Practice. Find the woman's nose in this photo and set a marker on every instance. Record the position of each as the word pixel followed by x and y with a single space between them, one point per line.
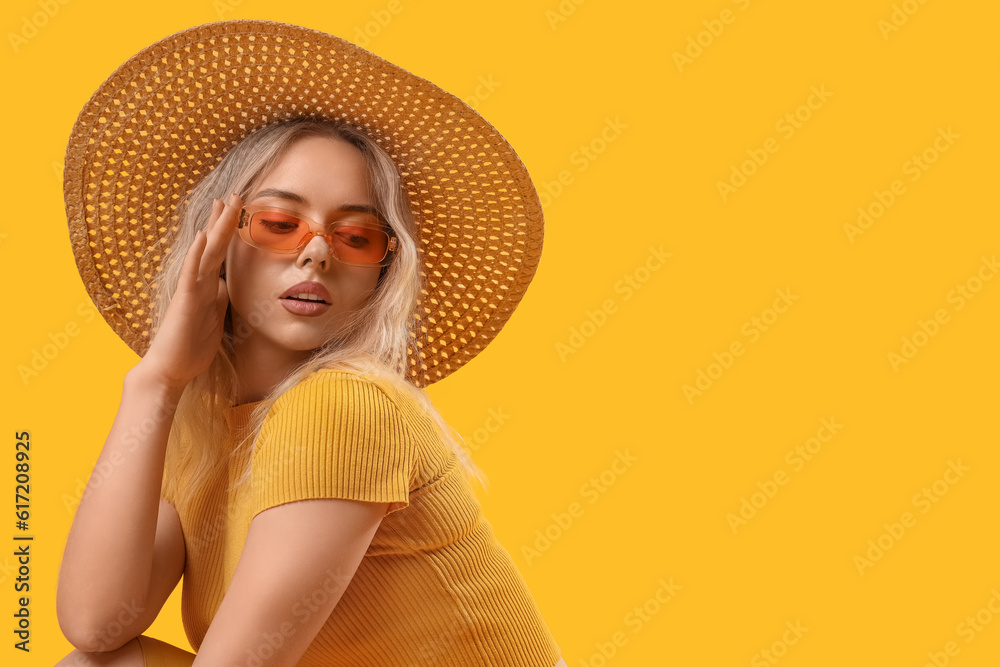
pixel 317 249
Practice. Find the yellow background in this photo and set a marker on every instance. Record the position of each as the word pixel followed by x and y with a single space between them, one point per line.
pixel 568 415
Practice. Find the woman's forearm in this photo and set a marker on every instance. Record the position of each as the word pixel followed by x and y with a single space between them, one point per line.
pixel 109 552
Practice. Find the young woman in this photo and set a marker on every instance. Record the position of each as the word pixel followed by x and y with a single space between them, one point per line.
pixel 273 444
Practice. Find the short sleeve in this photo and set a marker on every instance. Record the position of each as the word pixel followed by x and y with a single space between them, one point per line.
pixel 333 436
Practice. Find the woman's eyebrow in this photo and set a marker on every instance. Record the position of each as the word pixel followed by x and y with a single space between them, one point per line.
pixel 299 199
pixel 358 208
pixel 281 194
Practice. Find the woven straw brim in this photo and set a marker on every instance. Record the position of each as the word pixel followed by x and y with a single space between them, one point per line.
pixel 167 116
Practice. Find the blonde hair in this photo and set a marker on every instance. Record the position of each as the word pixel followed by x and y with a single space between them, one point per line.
pixel 375 338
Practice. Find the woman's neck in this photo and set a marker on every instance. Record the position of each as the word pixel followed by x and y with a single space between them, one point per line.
pixel 260 368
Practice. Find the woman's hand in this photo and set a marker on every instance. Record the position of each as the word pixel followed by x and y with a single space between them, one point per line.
pixel 192 327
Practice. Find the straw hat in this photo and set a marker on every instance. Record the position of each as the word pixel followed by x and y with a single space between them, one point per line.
pixel 166 117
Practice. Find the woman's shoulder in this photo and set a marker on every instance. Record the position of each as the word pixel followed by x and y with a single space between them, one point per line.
pixel 338 379
pixel 348 391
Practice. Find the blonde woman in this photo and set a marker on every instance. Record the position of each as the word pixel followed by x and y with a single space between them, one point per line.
pixel 274 445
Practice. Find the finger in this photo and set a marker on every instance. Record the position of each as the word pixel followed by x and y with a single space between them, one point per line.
pixel 222 231
pixel 192 262
pixel 217 206
pixel 220 235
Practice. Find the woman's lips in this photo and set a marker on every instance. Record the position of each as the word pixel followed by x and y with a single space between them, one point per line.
pixel 309 287
pixel 307 308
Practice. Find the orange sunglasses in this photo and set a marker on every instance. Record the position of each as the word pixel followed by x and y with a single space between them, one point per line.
pixel 359 239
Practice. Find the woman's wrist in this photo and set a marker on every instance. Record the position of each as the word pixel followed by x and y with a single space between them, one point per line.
pixel 143 378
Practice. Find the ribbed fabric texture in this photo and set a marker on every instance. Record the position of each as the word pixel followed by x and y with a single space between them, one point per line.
pixel 434 588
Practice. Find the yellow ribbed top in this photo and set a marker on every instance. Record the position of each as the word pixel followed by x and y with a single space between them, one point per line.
pixel 434 588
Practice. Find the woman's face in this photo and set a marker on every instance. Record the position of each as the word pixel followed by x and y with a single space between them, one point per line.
pixel 317 177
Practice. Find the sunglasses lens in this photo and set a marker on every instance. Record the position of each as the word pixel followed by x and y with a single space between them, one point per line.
pixel 271 229
pixel 360 245
pixel 353 244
